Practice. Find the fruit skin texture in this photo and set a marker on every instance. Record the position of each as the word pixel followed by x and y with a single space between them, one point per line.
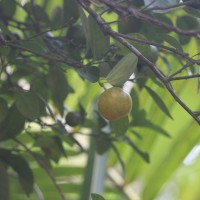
pixel 114 103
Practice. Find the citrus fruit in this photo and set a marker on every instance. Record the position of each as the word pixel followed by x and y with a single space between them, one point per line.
pixel 114 103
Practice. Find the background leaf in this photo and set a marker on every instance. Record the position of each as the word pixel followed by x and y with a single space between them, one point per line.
pixel 90 73
pixel 3 109
pixel 58 85
pixel 120 126
pixel 143 155
pixel 99 42
pixel 4 186
pixel 158 101
pixel 70 11
pixel 20 165
pixel 27 103
pixel 12 125
pixel 103 143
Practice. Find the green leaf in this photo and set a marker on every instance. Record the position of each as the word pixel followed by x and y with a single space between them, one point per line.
pixel 58 86
pixel 143 48
pixel 96 196
pixel 42 158
pixel 82 113
pixel 99 42
pixel 142 154
pixel 129 25
pixel 103 143
pixel 4 186
pixel 154 32
pixel 70 11
pixel 40 13
pixel 7 8
pixel 51 146
pixel 117 153
pixel 84 21
pixel 39 87
pixel 186 22
pixel 77 36
pixel 20 165
pixel 123 70
pixel 120 126
pixel 3 109
pixel 172 41
pixel 12 125
pixel 36 45
pixel 7 32
pixel 59 144
pixel 27 103
pixel 104 68
pixel 135 96
pixel 90 73
pixel 140 120
pixel 56 17
pixel 193 11
pixel 158 101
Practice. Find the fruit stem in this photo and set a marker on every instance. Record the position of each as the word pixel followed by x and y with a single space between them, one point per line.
pixel 102 85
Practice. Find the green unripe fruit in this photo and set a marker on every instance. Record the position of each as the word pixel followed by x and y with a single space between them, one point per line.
pixel 73 119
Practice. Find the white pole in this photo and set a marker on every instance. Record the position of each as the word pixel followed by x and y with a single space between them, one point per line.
pixel 99 173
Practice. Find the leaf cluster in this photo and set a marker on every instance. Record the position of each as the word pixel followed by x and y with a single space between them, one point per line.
pixel 57 56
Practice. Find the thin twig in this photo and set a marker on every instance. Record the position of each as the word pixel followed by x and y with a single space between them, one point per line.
pixel 64 60
pixel 106 29
pixel 180 70
pixel 123 10
pixel 174 50
pixel 169 7
pixel 184 77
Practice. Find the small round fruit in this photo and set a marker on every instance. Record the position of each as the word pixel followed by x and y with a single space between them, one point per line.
pixel 73 119
pixel 114 103
pixel 153 54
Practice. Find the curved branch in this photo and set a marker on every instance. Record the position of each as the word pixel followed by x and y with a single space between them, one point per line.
pixel 106 29
pixel 184 77
pixel 178 5
pixel 174 50
pixel 124 10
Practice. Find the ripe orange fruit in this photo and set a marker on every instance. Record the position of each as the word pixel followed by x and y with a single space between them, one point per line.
pixel 114 103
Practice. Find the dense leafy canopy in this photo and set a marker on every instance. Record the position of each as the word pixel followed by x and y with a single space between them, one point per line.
pixel 56 57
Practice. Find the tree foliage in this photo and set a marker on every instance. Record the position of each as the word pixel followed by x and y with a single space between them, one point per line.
pixel 55 59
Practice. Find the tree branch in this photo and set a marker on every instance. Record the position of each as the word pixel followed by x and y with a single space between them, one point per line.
pixel 124 10
pixel 184 77
pixel 54 58
pixel 169 7
pixel 174 50
pixel 106 29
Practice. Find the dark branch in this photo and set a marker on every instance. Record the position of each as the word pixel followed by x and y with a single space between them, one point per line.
pixel 106 29
pixel 123 10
